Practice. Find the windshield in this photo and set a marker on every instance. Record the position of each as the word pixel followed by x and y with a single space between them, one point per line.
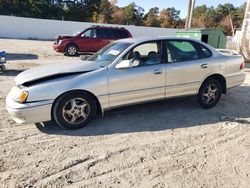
pixel 108 54
pixel 75 33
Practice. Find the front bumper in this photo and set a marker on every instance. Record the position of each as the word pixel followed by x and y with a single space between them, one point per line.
pixel 2 61
pixel 58 48
pixel 31 112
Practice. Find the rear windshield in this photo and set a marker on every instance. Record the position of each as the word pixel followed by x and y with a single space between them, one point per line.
pixel 121 34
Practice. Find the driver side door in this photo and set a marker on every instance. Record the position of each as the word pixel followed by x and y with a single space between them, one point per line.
pixel 87 41
pixel 143 82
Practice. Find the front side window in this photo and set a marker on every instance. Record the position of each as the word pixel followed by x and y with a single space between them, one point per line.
pixel 91 33
pixel 178 51
pixel 145 54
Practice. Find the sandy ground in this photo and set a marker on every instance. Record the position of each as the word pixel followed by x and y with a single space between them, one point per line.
pixel 172 143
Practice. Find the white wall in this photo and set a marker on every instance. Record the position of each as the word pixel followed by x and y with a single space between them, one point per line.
pixel 28 28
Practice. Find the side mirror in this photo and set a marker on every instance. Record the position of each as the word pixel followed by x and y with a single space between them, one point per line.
pixel 84 36
pixel 124 64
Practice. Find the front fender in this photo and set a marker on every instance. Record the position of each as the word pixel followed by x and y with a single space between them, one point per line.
pixel 94 82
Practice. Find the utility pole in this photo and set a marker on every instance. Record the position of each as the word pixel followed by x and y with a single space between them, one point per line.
pixel 245 42
pixel 189 18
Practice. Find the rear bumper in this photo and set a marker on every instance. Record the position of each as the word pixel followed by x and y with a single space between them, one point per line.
pixel 32 112
pixel 235 80
pixel 58 48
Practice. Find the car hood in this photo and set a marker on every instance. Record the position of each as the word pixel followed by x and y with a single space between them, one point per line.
pixel 2 53
pixel 53 70
pixel 63 37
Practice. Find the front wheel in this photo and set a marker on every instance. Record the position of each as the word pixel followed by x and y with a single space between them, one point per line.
pixel 74 110
pixel 210 93
pixel 3 68
pixel 71 50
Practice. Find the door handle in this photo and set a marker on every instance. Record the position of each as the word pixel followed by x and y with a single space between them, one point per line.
pixel 157 71
pixel 204 66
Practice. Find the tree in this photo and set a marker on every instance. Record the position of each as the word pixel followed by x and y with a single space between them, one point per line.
pixel 199 16
pixel 118 16
pixel 133 14
pixel 212 19
pixel 106 11
pixel 170 17
pixel 81 10
pixel 238 15
pixel 151 19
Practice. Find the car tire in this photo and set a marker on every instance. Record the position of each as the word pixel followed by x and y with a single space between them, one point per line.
pixel 74 110
pixel 210 93
pixel 3 68
pixel 71 50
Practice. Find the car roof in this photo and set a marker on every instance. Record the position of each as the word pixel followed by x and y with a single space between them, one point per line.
pixel 148 39
pixel 107 27
pixel 145 39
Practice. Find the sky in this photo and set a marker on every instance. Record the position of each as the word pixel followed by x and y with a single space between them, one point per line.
pixel 178 4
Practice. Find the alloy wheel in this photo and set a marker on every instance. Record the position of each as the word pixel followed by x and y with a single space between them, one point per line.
pixel 210 94
pixel 76 110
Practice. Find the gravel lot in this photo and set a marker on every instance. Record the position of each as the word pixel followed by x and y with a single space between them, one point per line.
pixel 173 143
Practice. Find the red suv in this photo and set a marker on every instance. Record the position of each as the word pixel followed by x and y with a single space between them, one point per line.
pixel 90 40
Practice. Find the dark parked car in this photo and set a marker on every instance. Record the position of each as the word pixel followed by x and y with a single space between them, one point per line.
pixel 90 40
pixel 2 60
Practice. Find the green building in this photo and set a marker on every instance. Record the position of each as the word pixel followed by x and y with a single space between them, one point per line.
pixel 213 37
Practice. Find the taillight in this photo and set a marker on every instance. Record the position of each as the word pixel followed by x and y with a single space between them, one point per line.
pixel 242 66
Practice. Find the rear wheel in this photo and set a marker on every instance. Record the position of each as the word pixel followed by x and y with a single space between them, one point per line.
pixel 71 50
pixel 210 93
pixel 74 110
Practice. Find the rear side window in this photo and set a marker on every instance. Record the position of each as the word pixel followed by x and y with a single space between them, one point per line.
pixel 111 33
pixel 205 52
pixel 179 51
pixel 102 33
pixel 120 33
pixel 124 34
pixel 117 34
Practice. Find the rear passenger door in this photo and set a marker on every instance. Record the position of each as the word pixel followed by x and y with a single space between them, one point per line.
pixel 103 36
pixel 188 65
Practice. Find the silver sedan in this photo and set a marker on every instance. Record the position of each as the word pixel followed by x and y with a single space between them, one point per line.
pixel 125 72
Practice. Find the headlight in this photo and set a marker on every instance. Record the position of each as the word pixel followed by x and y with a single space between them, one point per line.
pixel 60 41
pixel 19 94
pixel 2 59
